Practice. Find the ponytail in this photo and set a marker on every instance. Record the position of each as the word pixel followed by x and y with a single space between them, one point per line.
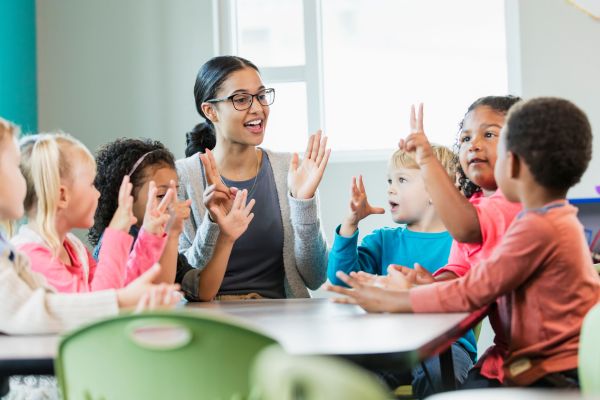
pixel 200 138
pixel 45 174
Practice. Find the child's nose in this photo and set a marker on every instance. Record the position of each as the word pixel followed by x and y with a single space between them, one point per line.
pixel 475 144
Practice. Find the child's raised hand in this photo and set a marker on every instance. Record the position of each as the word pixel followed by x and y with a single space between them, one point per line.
pixel 417 142
pixel 304 176
pixel 123 217
pixel 359 207
pixel 157 215
pixel 179 211
pixel 233 224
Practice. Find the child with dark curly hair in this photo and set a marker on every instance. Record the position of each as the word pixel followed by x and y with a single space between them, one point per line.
pixel 539 279
pixel 147 161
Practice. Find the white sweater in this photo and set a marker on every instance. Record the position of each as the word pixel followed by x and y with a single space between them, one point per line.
pixel 29 306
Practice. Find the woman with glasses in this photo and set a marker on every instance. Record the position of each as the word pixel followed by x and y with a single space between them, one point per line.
pixel 284 250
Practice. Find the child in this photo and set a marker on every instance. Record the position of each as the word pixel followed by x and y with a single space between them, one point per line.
pixel 27 304
pixel 60 171
pixel 478 218
pixel 423 239
pixel 541 272
pixel 145 161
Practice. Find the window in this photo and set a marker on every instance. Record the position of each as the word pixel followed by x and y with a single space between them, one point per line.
pixel 353 67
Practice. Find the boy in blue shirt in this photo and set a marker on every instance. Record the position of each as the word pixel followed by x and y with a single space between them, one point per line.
pixel 421 239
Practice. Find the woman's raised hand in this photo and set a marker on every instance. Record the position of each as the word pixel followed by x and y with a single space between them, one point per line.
pixel 304 176
pixel 216 194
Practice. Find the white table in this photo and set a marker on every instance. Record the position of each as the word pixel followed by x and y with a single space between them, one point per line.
pixel 302 326
pixel 321 327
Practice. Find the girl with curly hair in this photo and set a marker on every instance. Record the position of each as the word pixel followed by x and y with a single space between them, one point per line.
pixel 60 172
pixel 146 161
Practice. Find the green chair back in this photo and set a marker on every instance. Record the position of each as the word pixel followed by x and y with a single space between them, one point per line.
pixel 589 353
pixel 277 375
pixel 163 355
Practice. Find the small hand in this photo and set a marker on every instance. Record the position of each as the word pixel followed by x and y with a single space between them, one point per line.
pixel 123 217
pixel 369 297
pixel 156 214
pixel 359 204
pixel 143 293
pixel 179 211
pixel 304 176
pixel 416 276
pixel 233 224
pixel 394 280
pixel 417 142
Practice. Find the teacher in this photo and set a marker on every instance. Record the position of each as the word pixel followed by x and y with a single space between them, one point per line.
pixel 284 251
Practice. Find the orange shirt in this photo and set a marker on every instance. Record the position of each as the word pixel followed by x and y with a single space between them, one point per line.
pixel 542 277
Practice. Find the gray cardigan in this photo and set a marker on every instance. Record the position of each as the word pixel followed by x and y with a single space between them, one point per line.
pixel 304 244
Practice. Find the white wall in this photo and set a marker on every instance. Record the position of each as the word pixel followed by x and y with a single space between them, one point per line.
pixel 560 56
pixel 115 68
pixel 552 50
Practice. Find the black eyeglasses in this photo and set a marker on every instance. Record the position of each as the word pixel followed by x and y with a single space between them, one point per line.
pixel 243 101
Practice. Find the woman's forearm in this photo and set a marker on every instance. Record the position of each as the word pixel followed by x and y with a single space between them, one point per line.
pixel 212 275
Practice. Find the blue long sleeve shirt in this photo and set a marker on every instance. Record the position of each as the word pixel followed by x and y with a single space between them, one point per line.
pixel 387 246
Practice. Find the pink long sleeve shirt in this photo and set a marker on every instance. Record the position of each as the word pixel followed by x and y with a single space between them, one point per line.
pixel 543 282
pixel 116 266
pixel 495 214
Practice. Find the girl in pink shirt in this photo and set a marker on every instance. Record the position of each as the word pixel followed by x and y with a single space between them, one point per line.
pixel 61 196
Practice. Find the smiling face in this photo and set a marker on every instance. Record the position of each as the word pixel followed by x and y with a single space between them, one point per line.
pixel 407 196
pixel 82 194
pixel 245 127
pixel 478 142
pixel 162 175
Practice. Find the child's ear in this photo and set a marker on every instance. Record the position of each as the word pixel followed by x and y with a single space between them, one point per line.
pixel 514 165
pixel 63 197
pixel 210 111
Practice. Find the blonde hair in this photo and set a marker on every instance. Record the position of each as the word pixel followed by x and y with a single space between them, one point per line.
pixel 8 131
pixel 46 161
pixel 403 159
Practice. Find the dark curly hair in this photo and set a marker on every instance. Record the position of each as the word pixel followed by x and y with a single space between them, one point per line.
pixel 115 160
pixel 554 138
pixel 500 104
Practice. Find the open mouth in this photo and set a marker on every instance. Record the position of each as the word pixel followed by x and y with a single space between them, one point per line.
pixel 393 205
pixel 477 161
pixel 255 126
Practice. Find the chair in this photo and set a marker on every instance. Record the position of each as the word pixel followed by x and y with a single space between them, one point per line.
pixel 589 372
pixel 159 355
pixel 589 353
pixel 277 375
